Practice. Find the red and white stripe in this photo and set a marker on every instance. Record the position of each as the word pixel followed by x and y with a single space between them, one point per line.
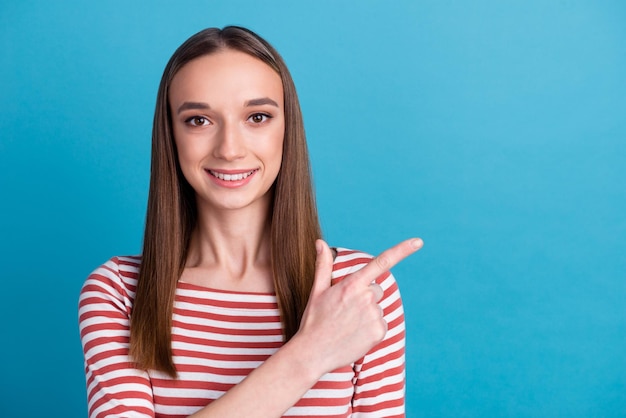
pixel 218 338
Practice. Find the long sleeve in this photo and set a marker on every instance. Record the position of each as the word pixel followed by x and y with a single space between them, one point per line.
pixel 114 386
pixel 249 324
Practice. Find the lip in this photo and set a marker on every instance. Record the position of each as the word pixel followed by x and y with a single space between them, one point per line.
pixel 229 183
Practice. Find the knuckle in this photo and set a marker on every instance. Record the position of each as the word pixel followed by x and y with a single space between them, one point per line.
pixel 380 331
pixel 383 330
pixel 383 261
pixel 377 291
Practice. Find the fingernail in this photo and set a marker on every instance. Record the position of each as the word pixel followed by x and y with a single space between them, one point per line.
pixel 417 243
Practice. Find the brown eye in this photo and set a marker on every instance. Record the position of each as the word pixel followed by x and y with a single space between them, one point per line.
pixel 197 121
pixel 259 118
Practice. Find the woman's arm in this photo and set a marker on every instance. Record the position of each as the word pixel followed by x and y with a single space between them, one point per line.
pixel 340 325
pixel 114 387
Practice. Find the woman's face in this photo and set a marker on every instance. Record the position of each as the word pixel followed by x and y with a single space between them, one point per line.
pixel 228 122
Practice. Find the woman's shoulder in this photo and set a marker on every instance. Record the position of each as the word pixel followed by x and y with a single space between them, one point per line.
pixel 116 277
pixel 106 300
pixel 348 261
pixel 347 257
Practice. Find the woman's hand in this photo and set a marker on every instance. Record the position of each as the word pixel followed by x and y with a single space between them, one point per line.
pixel 340 325
pixel 343 322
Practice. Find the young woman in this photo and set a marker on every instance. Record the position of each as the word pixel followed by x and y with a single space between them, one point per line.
pixel 236 307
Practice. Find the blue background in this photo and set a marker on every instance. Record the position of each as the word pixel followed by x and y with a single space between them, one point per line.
pixel 495 130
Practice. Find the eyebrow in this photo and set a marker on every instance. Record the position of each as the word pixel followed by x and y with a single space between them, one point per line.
pixel 192 105
pixel 203 106
pixel 261 101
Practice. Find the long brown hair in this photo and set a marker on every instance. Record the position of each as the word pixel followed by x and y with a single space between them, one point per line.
pixel 172 213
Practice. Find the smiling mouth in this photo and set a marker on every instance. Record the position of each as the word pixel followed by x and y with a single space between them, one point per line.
pixel 231 177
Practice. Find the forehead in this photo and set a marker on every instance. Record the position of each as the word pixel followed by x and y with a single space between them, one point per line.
pixel 226 76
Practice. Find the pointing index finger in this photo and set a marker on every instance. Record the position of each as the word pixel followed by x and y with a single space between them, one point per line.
pixel 387 259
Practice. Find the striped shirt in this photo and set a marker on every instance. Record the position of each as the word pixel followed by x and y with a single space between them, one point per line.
pixel 218 338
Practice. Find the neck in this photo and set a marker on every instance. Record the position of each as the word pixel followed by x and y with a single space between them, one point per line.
pixel 234 242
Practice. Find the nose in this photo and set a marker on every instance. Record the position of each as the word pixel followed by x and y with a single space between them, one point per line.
pixel 230 144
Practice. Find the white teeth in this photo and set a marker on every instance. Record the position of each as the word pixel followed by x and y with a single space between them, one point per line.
pixel 231 177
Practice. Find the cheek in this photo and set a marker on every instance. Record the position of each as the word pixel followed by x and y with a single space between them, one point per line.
pixel 183 156
pixel 185 166
pixel 189 149
pixel 188 157
pixel 276 144
pixel 274 152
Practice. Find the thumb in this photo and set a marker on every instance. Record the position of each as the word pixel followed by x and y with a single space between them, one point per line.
pixel 323 269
